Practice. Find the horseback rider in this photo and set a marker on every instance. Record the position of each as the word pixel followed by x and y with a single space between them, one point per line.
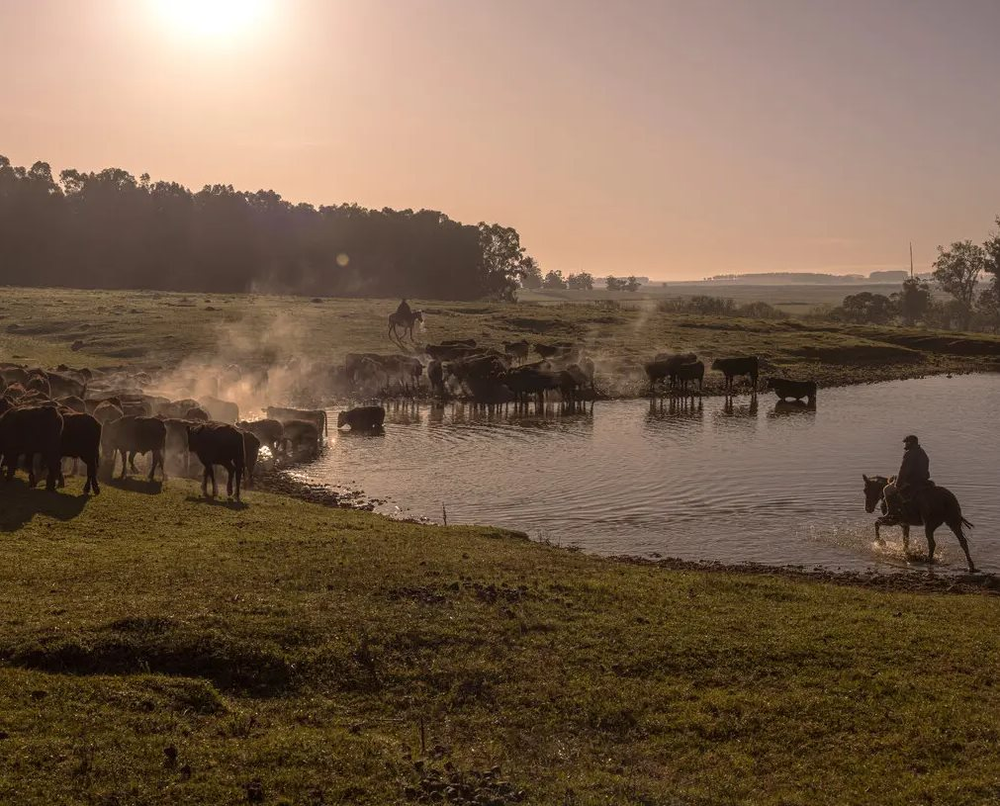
pixel 403 312
pixel 914 475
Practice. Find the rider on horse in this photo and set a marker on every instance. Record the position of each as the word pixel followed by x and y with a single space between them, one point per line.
pixel 914 475
pixel 403 312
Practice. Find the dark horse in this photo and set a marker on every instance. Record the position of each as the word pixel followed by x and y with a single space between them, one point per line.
pixel 405 322
pixel 934 506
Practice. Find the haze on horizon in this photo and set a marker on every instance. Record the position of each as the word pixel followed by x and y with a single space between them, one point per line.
pixel 667 139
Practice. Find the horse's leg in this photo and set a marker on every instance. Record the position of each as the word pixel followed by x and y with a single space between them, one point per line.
pixel 906 538
pixel 878 535
pixel 929 531
pixel 956 527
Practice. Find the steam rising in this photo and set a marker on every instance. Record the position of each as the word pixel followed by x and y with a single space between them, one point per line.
pixel 254 365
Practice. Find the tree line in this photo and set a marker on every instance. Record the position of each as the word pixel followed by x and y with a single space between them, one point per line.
pixel 533 278
pixel 107 229
pixel 967 274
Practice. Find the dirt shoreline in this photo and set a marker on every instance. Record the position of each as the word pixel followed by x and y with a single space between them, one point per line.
pixel 902 581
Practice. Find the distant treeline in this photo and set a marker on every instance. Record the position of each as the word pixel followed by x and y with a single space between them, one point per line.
pixel 784 277
pixel 111 230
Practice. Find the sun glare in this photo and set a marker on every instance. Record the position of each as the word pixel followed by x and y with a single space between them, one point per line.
pixel 212 19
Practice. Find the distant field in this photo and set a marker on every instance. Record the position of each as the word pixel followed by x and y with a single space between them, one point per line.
pixel 793 299
pixel 160 330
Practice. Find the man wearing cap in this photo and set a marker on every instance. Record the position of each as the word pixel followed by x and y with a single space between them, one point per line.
pixel 914 474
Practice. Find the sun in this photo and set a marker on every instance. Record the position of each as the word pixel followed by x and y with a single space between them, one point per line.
pixel 212 19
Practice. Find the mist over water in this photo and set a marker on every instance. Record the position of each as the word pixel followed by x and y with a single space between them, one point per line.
pixel 696 479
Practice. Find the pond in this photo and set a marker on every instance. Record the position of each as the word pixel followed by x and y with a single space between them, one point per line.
pixel 702 479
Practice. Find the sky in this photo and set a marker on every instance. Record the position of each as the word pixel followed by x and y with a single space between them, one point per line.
pixel 675 140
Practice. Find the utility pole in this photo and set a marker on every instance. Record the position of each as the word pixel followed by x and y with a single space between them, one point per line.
pixel 911 260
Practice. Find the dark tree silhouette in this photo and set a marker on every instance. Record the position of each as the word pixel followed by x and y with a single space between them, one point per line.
pixel 109 230
pixel 957 271
pixel 554 279
pixel 914 300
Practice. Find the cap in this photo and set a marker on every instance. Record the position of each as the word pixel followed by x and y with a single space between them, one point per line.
pixel 910 438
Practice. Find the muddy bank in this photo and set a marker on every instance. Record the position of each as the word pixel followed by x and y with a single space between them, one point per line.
pixel 923 581
pixel 282 482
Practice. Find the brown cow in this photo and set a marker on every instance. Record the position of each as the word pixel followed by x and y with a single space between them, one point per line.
pixel 222 411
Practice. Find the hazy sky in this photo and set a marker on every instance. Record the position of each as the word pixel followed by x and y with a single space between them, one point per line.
pixel 671 139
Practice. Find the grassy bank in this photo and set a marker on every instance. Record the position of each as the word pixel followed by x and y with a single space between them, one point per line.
pixel 159 649
pixel 160 330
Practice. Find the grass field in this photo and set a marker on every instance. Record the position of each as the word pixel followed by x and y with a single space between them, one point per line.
pixel 159 649
pixel 153 330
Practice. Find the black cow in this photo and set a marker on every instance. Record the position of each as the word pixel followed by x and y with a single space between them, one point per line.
pixel 684 374
pixel 284 415
pixel 218 444
pixel 787 389
pixel 81 439
pixel 270 433
pixel 363 418
pixel 27 431
pixel 299 433
pixel 130 435
pixel 517 349
pixel 251 450
pixel 732 367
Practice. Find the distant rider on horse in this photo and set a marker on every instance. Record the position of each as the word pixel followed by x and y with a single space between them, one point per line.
pixel 914 475
pixel 403 312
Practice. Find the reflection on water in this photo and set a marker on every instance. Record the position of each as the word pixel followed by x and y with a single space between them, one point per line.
pixel 734 479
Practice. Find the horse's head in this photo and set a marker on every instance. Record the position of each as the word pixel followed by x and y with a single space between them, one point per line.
pixel 874 486
pixel 418 316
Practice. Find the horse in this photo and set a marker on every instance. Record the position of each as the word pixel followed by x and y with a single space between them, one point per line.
pixel 404 322
pixel 934 506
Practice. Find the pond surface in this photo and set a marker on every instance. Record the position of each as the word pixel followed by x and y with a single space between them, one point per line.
pixel 735 481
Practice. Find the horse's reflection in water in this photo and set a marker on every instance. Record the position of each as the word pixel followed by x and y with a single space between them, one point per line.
pixel 786 408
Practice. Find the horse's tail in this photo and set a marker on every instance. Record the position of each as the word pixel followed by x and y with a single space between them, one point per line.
pixel 967 522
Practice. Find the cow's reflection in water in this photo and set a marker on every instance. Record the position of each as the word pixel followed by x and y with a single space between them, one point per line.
pixel 785 408
pixel 672 408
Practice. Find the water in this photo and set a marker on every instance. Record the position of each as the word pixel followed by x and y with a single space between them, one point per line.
pixel 700 480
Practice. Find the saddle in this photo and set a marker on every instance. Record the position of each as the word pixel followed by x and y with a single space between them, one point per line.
pixel 908 511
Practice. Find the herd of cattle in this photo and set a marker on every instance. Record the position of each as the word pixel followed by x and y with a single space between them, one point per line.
pixel 47 416
pixel 461 368
pixel 50 415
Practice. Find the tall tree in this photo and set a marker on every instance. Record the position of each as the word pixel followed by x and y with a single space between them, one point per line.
pixel 531 273
pixel 913 301
pixel 957 270
pixel 554 280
